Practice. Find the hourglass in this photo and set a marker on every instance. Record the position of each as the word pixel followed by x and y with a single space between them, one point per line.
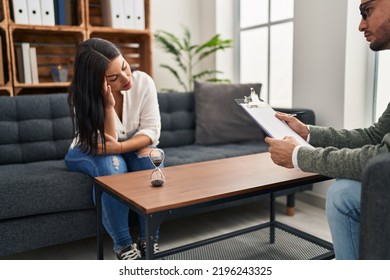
pixel 157 157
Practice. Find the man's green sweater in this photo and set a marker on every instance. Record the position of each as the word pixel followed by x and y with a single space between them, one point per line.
pixel 344 153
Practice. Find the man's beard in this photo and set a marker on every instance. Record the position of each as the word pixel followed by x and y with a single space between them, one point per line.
pixel 383 41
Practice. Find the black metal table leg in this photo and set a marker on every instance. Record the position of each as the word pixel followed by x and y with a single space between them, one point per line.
pixel 151 226
pixel 152 223
pixel 148 235
pixel 272 218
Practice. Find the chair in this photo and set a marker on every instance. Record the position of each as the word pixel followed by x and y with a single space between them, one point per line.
pixel 375 209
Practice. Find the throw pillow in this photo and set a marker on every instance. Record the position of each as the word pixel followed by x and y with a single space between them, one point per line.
pixel 219 120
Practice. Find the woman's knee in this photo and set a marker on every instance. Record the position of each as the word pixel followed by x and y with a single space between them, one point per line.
pixel 139 160
pixel 111 164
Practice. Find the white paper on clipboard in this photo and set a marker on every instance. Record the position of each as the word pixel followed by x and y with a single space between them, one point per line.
pixel 264 116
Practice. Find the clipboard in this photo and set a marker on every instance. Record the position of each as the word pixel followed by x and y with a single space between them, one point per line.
pixel 264 115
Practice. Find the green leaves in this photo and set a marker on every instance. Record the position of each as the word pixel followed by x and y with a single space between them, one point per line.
pixel 187 56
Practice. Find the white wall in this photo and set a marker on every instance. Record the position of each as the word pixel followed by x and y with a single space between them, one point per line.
pixel 225 14
pixel 319 58
pixel 171 15
pixel 359 73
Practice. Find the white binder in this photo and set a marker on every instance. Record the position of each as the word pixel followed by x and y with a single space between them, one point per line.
pixel 26 63
pixel 47 12
pixel 139 8
pixel 20 11
pixel 129 14
pixel 113 13
pixel 34 12
pixel 34 65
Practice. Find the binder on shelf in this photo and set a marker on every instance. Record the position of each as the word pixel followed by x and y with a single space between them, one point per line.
pixel 59 12
pixel 47 12
pixel 129 14
pixel 26 63
pixel 34 12
pixel 34 65
pixel 63 12
pixel 113 14
pixel 20 11
pixel 139 8
pixel 19 64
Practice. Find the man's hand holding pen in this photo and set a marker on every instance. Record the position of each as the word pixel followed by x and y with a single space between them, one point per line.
pixel 295 124
pixel 281 150
pixel 295 114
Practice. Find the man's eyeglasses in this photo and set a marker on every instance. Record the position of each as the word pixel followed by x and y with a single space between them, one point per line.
pixel 363 8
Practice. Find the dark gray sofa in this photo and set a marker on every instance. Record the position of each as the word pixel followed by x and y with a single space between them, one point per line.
pixel 375 210
pixel 43 204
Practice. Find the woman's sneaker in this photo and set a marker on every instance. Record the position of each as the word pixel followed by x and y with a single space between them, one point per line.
pixel 142 246
pixel 130 252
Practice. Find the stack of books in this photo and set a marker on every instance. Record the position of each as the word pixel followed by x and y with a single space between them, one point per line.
pixel 26 59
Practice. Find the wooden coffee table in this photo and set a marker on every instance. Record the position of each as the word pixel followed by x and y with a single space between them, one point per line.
pixel 199 187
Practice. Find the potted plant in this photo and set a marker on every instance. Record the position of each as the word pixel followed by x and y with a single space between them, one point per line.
pixel 188 55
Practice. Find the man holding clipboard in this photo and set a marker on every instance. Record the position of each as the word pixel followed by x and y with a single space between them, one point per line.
pixel 341 154
pixel 264 115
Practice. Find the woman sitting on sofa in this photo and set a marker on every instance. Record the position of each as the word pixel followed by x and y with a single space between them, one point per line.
pixel 117 124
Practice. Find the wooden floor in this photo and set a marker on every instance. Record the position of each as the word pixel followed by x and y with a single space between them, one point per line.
pixel 189 229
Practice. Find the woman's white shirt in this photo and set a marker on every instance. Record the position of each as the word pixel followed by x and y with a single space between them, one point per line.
pixel 140 112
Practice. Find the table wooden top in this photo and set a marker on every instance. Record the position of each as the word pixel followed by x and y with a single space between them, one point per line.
pixel 195 183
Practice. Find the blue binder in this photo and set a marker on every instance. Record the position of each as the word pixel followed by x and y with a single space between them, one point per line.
pixel 60 12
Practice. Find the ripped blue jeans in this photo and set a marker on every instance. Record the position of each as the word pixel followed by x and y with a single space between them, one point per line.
pixel 115 213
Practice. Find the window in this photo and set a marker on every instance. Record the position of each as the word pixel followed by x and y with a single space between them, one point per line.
pixel 266 48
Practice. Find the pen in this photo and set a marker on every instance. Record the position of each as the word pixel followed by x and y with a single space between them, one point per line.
pixel 297 113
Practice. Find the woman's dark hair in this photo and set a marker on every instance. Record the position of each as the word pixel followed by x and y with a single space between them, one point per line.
pixel 86 92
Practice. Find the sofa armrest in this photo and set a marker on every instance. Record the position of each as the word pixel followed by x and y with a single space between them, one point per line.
pixel 375 209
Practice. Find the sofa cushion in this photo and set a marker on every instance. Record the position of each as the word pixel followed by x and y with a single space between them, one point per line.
pixel 42 187
pixel 219 120
pixel 34 128
pixel 177 119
